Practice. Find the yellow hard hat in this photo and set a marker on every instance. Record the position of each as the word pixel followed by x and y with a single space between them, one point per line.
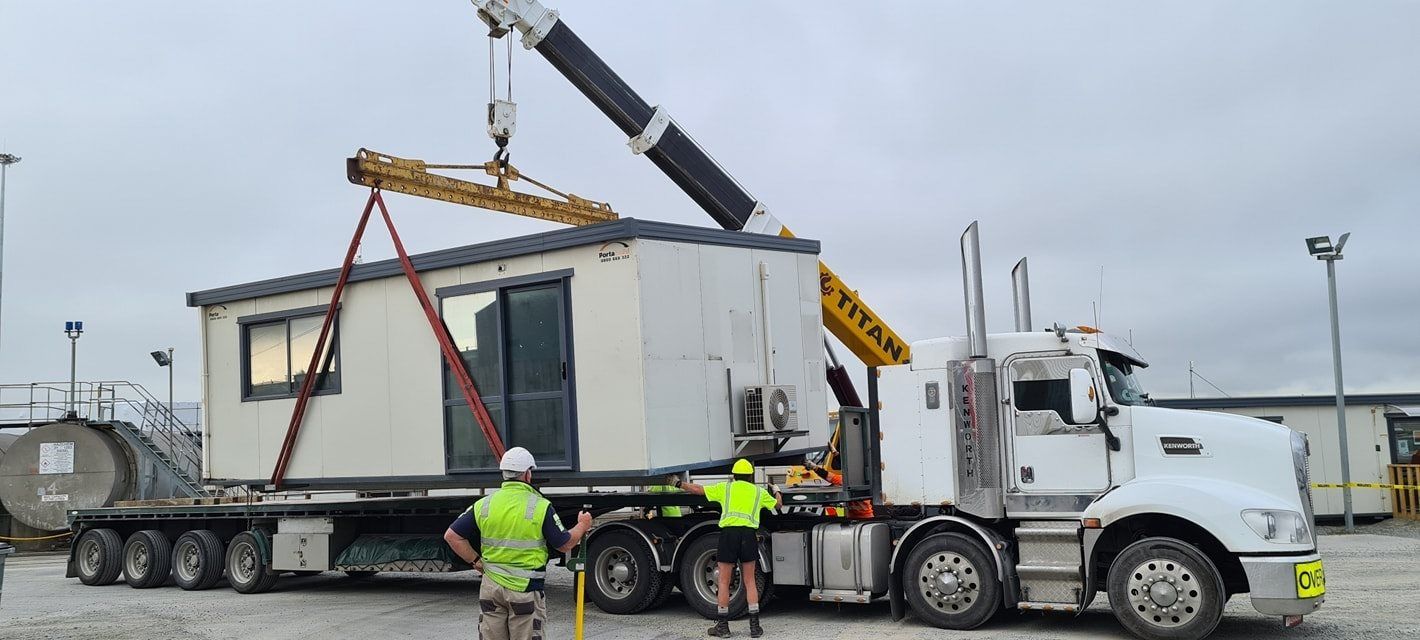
pixel 743 466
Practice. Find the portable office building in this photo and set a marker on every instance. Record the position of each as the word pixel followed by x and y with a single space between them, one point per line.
pixel 620 350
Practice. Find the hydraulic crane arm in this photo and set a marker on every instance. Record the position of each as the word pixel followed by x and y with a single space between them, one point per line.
pixel 655 134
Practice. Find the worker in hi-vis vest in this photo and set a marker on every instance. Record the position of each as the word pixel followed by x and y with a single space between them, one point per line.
pixel 740 504
pixel 513 528
pixel 665 512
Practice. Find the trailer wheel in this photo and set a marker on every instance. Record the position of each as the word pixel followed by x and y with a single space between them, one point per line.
pixel 700 575
pixel 951 583
pixel 197 560
pixel 98 557
pixel 622 573
pixel 147 559
pixel 1166 589
pixel 247 570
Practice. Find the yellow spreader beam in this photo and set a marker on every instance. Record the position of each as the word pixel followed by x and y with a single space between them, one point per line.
pixel 845 314
pixel 412 177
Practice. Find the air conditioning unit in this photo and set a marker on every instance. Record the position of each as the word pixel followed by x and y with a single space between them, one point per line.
pixel 771 408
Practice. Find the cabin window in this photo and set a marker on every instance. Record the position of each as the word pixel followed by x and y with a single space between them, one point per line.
pixel 514 338
pixel 276 353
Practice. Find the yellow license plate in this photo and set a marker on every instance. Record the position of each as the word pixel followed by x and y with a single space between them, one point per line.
pixel 1311 579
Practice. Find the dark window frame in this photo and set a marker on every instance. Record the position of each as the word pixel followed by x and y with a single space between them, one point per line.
pixel 244 326
pixel 561 279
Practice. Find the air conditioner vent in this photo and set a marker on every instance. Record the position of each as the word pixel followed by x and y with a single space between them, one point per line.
pixel 771 408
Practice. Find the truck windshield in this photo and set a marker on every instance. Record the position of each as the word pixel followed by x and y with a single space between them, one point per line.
pixel 1123 386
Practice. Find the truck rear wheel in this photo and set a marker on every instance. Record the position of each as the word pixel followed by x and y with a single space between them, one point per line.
pixel 197 560
pixel 1166 589
pixel 147 559
pixel 700 575
pixel 951 583
pixel 98 557
pixel 248 570
pixel 623 576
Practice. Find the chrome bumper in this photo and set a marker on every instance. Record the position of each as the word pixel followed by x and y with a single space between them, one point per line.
pixel 1272 583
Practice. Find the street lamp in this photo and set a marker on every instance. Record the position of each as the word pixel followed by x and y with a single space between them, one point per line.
pixel 6 159
pixel 166 360
pixel 73 329
pixel 1322 248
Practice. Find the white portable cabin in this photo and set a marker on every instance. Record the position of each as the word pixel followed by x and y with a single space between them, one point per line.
pixel 614 351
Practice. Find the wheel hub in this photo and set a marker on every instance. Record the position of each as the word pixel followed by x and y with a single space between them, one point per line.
pixel 620 572
pixel 1164 593
pixel 948 583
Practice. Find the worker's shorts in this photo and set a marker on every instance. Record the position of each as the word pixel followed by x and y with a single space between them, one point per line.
pixel 737 545
pixel 510 615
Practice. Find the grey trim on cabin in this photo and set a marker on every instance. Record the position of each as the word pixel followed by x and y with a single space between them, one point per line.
pixel 622 229
pixel 1288 401
pixel 318 309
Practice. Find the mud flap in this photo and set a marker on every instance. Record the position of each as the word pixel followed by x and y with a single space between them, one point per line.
pixel 896 600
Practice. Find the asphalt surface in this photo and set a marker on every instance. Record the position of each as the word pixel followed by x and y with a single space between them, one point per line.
pixel 1371 594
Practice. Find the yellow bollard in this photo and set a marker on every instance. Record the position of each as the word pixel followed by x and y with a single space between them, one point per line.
pixel 581 590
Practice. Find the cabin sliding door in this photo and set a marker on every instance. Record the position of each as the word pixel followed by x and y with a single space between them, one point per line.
pixel 514 341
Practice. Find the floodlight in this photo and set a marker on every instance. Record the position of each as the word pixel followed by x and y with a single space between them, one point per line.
pixel 161 358
pixel 1341 242
pixel 1320 246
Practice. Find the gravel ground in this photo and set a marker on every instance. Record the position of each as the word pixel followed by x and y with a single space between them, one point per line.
pixel 1370 596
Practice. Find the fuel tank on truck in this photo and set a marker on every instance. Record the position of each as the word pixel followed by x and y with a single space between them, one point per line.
pixel 62 466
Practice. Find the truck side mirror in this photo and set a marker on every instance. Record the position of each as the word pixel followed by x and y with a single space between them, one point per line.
pixel 1083 406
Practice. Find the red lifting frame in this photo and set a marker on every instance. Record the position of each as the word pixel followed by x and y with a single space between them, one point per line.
pixel 441 333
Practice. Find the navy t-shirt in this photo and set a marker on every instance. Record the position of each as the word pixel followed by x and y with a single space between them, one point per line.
pixel 552 533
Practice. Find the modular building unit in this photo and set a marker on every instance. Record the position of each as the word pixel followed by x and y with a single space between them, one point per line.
pixel 618 350
pixel 1370 421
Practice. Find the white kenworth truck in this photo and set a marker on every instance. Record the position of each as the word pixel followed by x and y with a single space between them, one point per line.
pixel 1028 471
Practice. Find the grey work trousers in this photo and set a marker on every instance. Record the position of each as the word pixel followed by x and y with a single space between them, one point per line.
pixel 510 615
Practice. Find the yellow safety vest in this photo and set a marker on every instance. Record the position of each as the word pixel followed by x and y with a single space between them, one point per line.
pixel 666 512
pixel 741 504
pixel 510 531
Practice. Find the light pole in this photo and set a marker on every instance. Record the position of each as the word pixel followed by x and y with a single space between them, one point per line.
pixel 73 329
pixel 166 360
pixel 6 159
pixel 1322 248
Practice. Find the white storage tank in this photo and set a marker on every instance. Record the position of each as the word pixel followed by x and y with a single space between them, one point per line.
pixel 615 351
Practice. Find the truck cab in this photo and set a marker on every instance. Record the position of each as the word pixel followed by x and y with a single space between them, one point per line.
pixel 1047 452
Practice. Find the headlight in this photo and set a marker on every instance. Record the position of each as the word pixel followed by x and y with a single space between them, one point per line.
pixel 1276 525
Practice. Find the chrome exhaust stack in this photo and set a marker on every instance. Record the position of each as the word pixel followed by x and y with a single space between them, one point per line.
pixel 971 285
pixel 1020 294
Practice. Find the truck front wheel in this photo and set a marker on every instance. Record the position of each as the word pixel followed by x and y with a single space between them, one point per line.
pixel 1166 589
pixel 951 583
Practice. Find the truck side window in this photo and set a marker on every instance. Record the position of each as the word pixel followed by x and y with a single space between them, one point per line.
pixel 1040 394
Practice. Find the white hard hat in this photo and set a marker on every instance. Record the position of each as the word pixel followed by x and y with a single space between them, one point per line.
pixel 517 459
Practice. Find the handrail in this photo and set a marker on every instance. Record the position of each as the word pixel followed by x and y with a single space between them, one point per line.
pixel 38 403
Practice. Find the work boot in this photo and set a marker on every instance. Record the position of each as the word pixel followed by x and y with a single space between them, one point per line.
pixel 720 630
pixel 755 630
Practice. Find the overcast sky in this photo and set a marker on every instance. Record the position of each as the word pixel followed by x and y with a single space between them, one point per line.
pixel 1187 148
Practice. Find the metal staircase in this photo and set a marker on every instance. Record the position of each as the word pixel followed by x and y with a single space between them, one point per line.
pixel 1049 565
pixel 169 451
